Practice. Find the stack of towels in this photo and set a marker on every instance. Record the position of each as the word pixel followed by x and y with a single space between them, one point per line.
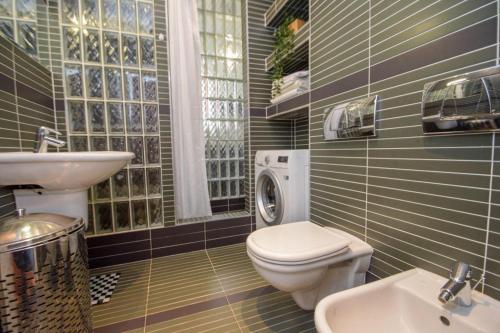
pixel 291 85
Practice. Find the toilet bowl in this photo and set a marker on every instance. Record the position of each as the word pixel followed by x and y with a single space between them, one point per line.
pixel 309 261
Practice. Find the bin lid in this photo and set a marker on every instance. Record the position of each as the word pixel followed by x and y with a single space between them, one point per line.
pixel 26 230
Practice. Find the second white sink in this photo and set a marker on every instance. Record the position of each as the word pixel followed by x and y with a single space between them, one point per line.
pixel 64 178
pixel 404 303
pixel 60 171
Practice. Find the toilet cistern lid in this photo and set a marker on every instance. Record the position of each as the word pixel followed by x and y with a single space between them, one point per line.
pixel 297 241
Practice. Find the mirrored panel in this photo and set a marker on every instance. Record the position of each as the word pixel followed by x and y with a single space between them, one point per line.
pixel 464 103
pixel 351 120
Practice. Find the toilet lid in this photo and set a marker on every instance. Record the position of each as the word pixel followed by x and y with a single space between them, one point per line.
pixel 299 241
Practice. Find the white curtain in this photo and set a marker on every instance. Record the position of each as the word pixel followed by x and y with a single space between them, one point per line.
pixel 190 176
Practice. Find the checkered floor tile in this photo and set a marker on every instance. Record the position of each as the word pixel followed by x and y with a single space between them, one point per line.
pixel 102 286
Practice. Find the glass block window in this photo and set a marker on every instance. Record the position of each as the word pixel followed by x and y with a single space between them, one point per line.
pixel 222 90
pixel 111 104
pixel 18 22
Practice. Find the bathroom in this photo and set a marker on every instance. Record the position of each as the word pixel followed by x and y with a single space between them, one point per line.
pixel 249 166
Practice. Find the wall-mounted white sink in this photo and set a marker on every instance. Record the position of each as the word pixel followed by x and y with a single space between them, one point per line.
pixel 405 303
pixel 60 171
pixel 64 178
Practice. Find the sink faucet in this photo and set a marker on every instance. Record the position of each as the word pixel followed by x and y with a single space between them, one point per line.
pixel 458 287
pixel 43 140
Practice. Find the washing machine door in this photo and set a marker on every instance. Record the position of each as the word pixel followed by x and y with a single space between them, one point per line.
pixel 269 198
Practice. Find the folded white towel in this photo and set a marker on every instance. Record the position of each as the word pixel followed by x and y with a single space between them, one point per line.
pixel 286 87
pixel 287 95
pixel 300 83
pixel 294 76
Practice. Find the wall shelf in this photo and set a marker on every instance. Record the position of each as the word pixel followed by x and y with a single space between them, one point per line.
pixel 294 107
pixel 299 60
pixel 281 9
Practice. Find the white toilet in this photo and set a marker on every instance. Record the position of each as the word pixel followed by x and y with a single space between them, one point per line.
pixel 309 261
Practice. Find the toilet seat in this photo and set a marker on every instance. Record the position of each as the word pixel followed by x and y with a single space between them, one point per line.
pixel 296 243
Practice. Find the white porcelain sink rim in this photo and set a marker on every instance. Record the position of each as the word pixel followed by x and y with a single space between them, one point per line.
pixel 482 304
pixel 19 157
pixel 66 171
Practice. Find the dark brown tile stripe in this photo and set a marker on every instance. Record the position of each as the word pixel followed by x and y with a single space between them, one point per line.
pixel 177 249
pixel 119 259
pixel 460 42
pixel 6 84
pixel 117 249
pixel 123 326
pixel 347 83
pixel 185 310
pixel 228 232
pixel 117 238
pixel 258 112
pixel 132 246
pixel 249 294
pixel 227 205
pixel 293 103
pixel 211 243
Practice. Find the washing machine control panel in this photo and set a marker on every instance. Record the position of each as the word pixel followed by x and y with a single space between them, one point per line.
pixel 282 159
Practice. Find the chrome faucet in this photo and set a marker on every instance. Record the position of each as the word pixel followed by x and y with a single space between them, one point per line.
pixel 458 288
pixel 43 140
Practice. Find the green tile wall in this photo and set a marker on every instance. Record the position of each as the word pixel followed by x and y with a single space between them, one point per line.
pixel 26 103
pixel 263 134
pixel 419 201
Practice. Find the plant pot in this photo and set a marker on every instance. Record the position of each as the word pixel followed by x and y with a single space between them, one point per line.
pixel 296 25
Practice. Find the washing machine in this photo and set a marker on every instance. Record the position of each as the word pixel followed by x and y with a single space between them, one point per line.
pixel 281 187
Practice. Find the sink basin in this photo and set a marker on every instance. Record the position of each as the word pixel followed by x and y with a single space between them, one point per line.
pixel 64 178
pixel 60 171
pixel 404 303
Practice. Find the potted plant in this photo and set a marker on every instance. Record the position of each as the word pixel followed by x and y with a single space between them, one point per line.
pixel 283 49
pixel 296 24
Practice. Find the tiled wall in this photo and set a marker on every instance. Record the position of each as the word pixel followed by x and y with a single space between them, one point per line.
pixel 145 244
pixel 263 134
pixel 419 201
pixel 26 103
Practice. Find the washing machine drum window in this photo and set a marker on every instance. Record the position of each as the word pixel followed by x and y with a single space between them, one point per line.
pixel 269 198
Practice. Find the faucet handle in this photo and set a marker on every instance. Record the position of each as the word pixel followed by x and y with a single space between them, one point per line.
pixel 48 130
pixel 460 271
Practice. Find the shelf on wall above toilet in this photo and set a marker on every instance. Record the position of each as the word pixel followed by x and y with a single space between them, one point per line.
pixel 292 108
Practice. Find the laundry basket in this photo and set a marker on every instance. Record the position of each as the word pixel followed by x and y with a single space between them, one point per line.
pixel 44 276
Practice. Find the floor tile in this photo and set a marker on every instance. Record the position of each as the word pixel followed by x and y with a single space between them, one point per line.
pixel 215 320
pixel 234 269
pixel 275 312
pixel 190 292
pixel 181 280
pixel 129 297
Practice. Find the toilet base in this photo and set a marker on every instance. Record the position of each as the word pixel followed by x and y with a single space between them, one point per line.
pixel 337 277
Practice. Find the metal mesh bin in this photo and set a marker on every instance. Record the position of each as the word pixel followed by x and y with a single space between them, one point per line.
pixel 44 275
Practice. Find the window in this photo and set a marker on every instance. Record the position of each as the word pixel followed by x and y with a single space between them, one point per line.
pixel 222 92
pixel 111 104
pixel 18 22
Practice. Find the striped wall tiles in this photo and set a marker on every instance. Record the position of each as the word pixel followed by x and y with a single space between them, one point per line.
pixel 301 133
pixel 227 205
pixel 211 291
pixel 133 246
pixel 26 103
pixel 165 117
pixel 263 134
pixel 56 66
pixel 419 201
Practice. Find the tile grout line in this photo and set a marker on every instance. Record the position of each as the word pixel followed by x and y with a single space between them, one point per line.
pixel 147 294
pixel 223 290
